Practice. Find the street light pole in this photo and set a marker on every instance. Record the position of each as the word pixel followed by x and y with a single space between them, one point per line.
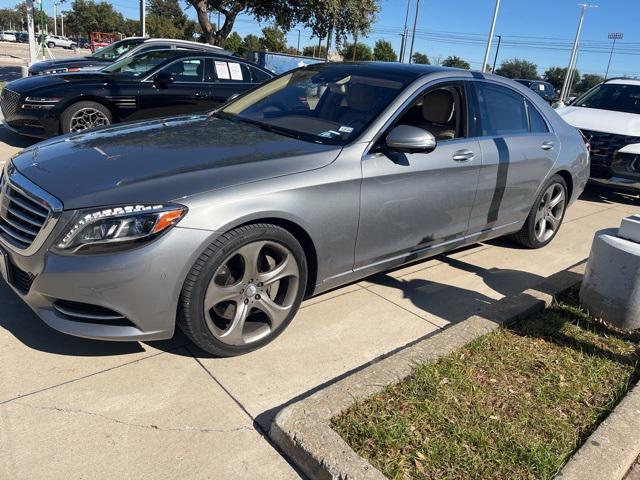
pixel 298 48
pixel 62 22
pixel 413 34
pixel 614 37
pixel 566 86
pixel 495 59
pixel 55 18
pixel 403 45
pixel 493 27
pixel 143 27
pixel 31 33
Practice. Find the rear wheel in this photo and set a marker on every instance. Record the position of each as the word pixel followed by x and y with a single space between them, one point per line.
pixel 244 290
pixel 51 44
pixel 546 215
pixel 85 115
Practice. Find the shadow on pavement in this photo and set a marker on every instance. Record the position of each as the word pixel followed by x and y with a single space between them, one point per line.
pixel 598 194
pixel 14 140
pixel 18 319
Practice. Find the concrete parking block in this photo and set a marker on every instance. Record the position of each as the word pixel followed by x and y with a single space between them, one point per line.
pixel 323 342
pixel 159 418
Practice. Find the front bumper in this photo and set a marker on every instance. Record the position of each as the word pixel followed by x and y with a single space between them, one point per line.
pixel 142 285
pixel 31 122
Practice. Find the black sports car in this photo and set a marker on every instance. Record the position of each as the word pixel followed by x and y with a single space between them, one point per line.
pixel 148 85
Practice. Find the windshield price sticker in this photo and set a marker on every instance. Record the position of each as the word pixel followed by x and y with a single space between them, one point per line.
pixel 345 129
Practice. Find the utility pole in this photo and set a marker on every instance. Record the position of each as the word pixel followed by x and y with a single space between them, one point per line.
pixel 495 59
pixel 614 37
pixel 62 23
pixel 30 30
pixel 298 47
pixel 491 30
pixel 413 34
pixel 403 45
pixel 143 27
pixel 566 86
pixel 55 18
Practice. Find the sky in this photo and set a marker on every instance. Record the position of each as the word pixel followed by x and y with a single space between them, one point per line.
pixel 541 31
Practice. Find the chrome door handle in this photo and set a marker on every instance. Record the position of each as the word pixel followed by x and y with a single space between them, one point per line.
pixel 547 145
pixel 463 155
pixel 198 94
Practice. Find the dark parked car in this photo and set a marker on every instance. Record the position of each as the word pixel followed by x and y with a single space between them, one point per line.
pixel 223 223
pixel 117 51
pixel 544 89
pixel 149 85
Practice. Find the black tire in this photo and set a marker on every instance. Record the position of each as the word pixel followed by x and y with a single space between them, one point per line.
pixel 526 236
pixel 71 110
pixel 51 44
pixel 191 310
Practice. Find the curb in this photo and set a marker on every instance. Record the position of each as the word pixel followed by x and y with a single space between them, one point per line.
pixel 611 450
pixel 303 430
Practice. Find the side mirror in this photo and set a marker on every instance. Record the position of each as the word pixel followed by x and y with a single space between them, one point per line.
pixel 162 79
pixel 408 139
pixel 233 97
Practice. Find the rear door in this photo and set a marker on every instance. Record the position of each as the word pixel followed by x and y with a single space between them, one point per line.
pixel 230 77
pixel 187 93
pixel 518 150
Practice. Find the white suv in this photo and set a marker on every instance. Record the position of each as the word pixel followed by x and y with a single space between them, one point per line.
pixel 60 41
pixel 609 116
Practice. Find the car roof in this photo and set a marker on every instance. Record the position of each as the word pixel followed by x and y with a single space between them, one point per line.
pixel 623 81
pixel 181 42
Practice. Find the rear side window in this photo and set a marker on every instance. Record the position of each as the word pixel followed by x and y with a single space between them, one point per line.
pixel 502 111
pixel 232 72
pixel 258 75
pixel 536 122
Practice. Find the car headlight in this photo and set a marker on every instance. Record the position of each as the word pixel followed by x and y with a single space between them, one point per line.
pixel 119 226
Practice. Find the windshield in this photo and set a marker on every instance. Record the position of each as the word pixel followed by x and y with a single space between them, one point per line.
pixel 139 65
pixel 612 96
pixel 319 103
pixel 115 50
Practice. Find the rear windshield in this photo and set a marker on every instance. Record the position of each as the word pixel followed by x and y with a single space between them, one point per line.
pixel 611 96
pixel 117 49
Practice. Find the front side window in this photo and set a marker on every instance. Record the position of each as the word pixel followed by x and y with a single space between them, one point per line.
pixel 612 96
pixel 440 111
pixel 188 70
pixel 139 65
pixel 502 111
pixel 320 103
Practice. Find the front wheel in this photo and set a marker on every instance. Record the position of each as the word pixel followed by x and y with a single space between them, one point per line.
pixel 244 290
pixel 85 115
pixel 51 44
pixel 546 215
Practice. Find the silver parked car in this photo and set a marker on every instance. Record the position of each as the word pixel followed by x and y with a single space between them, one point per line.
pixel 223 223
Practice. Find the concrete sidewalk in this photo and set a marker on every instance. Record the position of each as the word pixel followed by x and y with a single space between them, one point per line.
pixel 73 408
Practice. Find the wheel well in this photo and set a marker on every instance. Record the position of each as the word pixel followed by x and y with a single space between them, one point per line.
pixel 567 178
pixel 305 241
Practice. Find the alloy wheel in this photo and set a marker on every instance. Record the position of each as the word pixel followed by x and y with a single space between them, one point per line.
pixel 252 293
pixel 550 212
pixel 86 118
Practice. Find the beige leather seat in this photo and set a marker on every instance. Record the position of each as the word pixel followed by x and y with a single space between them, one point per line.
pixel 357 104
pixel 438 109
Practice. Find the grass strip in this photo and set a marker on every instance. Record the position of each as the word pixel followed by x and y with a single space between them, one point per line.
pixel 513 404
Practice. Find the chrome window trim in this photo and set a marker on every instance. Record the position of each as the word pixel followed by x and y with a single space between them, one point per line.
pixel 29 189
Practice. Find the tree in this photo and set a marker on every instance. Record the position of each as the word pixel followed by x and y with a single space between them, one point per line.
pixel 165 19
pixel 362 52
pixel 88 16
pixel 455 61
pixel 233 43
pixel 588 81
pixel 314 51
pixel 341 16
pixel 420 58
pixel 250 43
pixel 555 76
pixel 273 39
pixel 516 68
pixel 131 27
pixel 383 51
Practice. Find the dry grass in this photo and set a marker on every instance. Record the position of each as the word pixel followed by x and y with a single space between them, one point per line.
pixel 514 404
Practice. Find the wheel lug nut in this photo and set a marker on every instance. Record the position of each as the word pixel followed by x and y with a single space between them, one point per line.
pixel 260 284
pixel 246 301
pixel 258 296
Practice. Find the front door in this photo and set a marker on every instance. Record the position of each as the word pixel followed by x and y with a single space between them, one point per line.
pixel 186 92
pixel 413 204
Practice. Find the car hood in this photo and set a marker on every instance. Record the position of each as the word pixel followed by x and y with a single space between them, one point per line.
pixel 82 62
pixel 27 85
pixel 598 120
pixel 163 160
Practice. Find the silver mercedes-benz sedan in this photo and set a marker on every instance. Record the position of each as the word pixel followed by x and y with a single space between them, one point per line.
pixel 223 223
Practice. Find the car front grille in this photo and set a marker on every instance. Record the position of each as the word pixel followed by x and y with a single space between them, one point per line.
pixel 604 146
pixel 22 215
pixel 9 102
